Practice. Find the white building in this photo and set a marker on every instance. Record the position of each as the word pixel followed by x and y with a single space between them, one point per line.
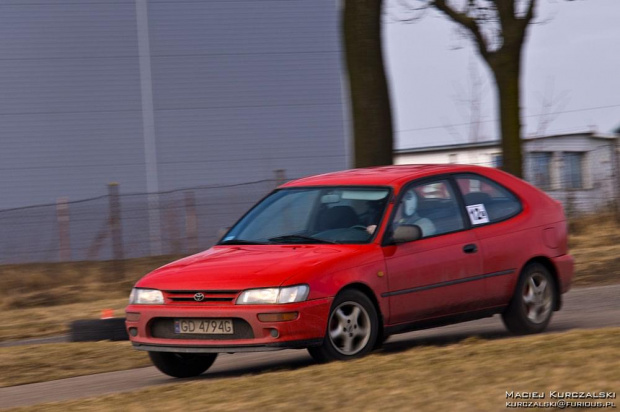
pixel 579 169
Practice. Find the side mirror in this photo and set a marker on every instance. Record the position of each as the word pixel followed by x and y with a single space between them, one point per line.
pixel 406 233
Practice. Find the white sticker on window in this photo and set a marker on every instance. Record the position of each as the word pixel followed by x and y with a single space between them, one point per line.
pixel 477 214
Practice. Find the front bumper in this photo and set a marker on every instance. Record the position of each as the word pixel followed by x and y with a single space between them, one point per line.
pixel 298 344
pixel 308 329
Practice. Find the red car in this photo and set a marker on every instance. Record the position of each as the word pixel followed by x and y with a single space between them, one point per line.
pixel 335 263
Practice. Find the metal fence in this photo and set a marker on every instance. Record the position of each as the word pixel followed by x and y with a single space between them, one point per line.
pixel 121 226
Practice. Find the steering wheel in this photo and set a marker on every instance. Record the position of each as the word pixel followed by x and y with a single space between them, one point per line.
pixel 358 227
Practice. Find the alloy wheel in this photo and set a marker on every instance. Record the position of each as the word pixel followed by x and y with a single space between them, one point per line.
pixel 349 328
pixel 537 298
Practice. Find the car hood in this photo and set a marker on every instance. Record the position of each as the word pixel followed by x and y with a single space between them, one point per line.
pixel 243 267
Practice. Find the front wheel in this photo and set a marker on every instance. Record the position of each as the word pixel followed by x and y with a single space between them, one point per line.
pixel 532 305
pixel 182 365
pixel 352 328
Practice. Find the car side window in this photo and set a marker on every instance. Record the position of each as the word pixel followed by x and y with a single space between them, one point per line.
pixel 430 205
pixel 486 201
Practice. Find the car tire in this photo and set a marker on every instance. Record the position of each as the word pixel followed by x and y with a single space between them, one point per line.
pixel 182 365
pixel 92 330
pixel 352 328
pixel 532 304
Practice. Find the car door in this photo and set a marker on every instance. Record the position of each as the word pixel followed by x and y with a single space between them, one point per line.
pixel 438 274
pixel 494 213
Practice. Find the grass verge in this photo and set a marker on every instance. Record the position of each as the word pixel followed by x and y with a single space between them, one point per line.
pixel 41 299
pixel 39 363
pixel 50 284
pixel 471 375
pixel 53 320
pixel 595 245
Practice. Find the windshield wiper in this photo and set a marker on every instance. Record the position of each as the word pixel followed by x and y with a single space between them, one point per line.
pixel 239 242
pixel 301 237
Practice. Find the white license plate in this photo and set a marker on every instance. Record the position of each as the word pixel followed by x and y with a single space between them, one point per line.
pixel 204 326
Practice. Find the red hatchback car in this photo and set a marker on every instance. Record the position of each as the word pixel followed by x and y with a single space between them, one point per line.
pixel 335 263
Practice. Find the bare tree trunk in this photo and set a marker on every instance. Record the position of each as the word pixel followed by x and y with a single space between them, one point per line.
pixel 502 53
pixel 370 102
pixel 507 77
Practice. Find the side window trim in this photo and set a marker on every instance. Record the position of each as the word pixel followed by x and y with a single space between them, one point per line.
pixel 461 202
pixel 448 177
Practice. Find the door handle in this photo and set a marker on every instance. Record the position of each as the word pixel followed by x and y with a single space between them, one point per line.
pixel 470 248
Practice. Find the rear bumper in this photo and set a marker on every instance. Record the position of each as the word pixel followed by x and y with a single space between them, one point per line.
pixel 308 329
pixel 565 267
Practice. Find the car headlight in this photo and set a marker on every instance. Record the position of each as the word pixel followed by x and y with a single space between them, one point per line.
pixel 146 297
pixel 289 294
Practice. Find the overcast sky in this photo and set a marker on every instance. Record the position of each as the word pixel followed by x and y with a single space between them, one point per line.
pixel 572 61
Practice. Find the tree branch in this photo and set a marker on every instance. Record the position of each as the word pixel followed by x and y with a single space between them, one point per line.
pixel 529 15
pixel 415 13
pixel 466 22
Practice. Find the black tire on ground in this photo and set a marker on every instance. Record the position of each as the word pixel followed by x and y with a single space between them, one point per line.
pixel 352 328
pixel 89 330
pixel 532 304
pixel 182 365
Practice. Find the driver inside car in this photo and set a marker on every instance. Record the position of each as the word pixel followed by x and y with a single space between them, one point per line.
pixel 408 214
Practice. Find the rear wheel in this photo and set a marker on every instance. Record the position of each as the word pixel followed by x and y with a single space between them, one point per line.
pixel 182 365
pixel 352 328
pixel 532 305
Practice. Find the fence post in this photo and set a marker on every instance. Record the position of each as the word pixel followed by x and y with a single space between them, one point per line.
pixel 155 240
pixel 191 222
pixel 171 228
pixel 615 173
pixel 280 175
pixel 64 239
pixel 116 232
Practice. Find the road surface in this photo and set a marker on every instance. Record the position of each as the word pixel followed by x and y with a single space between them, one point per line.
pixel 586 308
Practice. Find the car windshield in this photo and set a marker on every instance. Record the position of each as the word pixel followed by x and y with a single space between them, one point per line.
pixel 312 215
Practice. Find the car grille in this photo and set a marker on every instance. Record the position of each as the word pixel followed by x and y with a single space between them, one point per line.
pixel 164 328
pixel 210 296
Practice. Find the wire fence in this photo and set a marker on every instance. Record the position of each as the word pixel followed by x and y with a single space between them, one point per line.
pixel 120 226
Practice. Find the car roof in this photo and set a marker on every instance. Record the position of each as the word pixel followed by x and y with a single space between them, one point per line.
pixel 394 176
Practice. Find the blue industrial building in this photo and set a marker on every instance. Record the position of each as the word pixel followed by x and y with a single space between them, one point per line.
pixel 161 95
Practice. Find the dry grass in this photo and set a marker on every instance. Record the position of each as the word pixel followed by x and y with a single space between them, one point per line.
pixel 49 284
pixel 594 241
pixel 53 320
pixel 473 375
pixel 41 299
pixel 595 244
pixel 39 363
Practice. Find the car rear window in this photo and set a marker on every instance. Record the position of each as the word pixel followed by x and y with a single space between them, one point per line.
pixel 487 201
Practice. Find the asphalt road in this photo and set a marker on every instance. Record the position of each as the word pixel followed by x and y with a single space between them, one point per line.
pixel 587 308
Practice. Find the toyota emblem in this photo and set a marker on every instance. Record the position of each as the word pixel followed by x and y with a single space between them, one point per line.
pixel 199 297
